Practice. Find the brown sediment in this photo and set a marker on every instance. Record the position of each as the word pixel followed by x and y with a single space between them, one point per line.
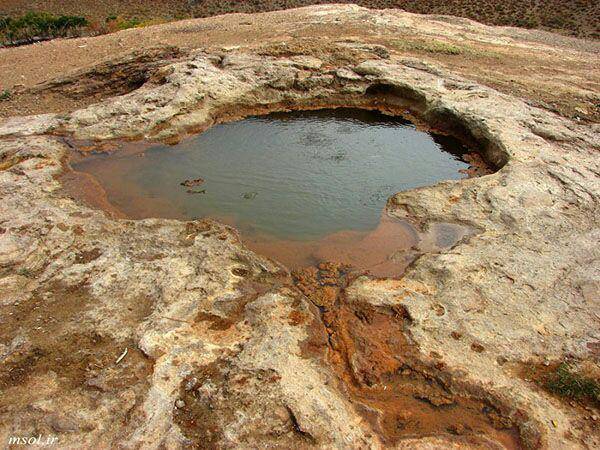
pixel 375 363
pixel 232 312
pixel 215 394
pixel 196 415
pixel 381 370
pixel 85 188
pixel 477 166
pixel 385 251
pixel 79 359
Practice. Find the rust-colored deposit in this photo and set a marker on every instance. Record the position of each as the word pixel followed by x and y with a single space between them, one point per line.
pixel 379 367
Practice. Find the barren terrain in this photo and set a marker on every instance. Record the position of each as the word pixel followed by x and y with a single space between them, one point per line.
pixel 575 17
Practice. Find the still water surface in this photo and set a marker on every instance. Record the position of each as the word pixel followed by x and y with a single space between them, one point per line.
pixel 294 176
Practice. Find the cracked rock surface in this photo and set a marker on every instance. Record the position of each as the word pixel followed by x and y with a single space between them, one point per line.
pixel 221 348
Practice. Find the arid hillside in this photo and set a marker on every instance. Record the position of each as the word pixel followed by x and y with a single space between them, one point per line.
pixel 575 17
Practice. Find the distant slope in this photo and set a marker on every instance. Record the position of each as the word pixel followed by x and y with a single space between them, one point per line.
pixel 574 17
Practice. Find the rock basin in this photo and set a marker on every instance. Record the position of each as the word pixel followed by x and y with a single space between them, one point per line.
pixel 302 187
pixel 226 348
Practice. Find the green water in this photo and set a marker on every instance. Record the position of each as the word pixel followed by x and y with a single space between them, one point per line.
pixel 299 175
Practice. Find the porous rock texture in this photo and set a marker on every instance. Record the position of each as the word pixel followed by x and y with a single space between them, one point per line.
pixel 110 325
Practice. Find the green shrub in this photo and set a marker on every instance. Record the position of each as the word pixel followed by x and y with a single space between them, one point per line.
pixel 117 23
pixel 129 23
pixel 38 26
pixel 568 384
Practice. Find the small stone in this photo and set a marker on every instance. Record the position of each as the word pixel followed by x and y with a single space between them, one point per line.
pixel 306 62
pixel 62 424
pixel 457 429
pixel 97 383
pixel 594 417
pixel 249 195
pixel 191 384
pixel 477 347
pixel 192 182
pixel 347 74
pixel 179 403
pixel 434 398
pixel 435 355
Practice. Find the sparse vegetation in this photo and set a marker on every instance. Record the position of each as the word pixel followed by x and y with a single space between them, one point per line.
pixel 34 26
pixel 115 23
pixel 39 26
pixel 5 95
pixel 24 272
pixel 575 17
pixel 565 382
pixel 441 48
pixel 432 46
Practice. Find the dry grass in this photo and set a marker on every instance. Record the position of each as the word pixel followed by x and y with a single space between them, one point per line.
pixel 573 17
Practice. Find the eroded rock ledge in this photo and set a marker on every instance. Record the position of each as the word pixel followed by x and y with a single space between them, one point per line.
pixel 224 348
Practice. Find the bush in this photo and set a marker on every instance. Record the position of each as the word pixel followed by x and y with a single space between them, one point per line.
pixel 117 23
pixel 35 26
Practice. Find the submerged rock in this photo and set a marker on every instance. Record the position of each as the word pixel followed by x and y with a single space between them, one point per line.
pixel 192 182
pixel 249 195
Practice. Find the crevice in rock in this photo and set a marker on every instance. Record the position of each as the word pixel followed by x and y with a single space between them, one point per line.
pixel 298 429
pixel 115 77
pixel 447 120
pixel 397 95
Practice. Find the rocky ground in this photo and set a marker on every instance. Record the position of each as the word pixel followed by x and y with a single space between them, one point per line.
pixel 166 334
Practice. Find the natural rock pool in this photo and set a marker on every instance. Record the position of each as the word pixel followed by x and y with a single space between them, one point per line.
pixel 298 182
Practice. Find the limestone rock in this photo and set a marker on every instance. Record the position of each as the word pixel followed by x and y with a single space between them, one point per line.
pixel 191 303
